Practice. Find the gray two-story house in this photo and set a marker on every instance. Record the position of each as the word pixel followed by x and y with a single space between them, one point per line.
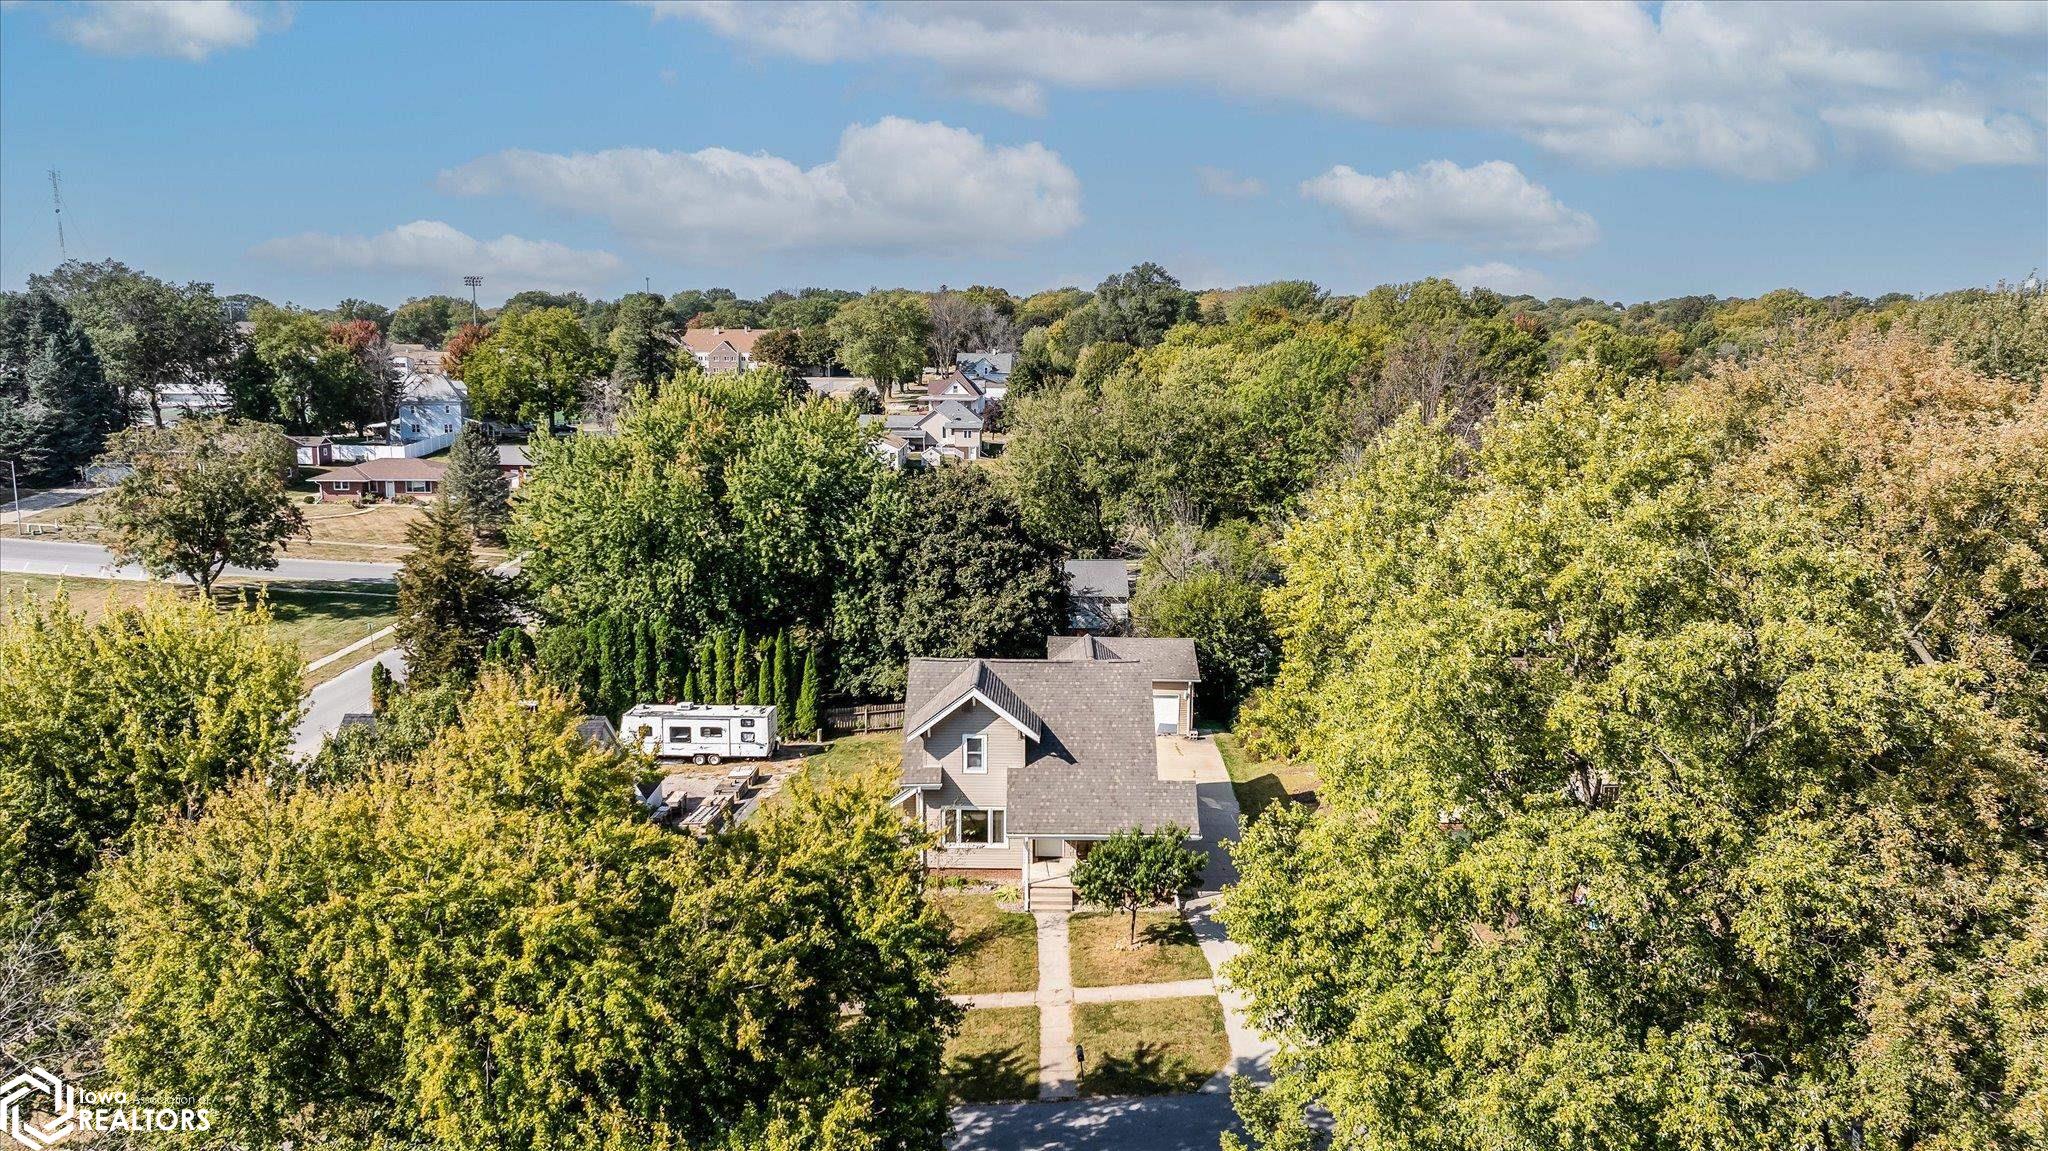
pixel 1021 765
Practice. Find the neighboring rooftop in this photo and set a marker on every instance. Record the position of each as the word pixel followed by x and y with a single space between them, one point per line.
pixel 1164 658
pixel 385 468
pixel 1099 579
pixel 513 456
pixel 954 414
pixel 1094 768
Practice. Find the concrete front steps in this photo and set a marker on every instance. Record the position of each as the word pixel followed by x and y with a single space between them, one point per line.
pixel 1052 897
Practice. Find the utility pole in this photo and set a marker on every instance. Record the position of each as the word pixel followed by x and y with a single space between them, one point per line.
pixel 57 200
pixel 473 282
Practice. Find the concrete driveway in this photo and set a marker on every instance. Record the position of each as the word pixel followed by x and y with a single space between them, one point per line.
pixel 345 693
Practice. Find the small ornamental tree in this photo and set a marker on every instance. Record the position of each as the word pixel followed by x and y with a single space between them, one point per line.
pixel 1132 870
pixel 380 687
pixel 809 719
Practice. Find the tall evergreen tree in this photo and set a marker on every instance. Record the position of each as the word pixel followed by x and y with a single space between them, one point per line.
pixel 643 662
pixel 666 659
pixel 448 605
pixel 593 661
pixel 785 688
pixel 56 407
pixel 706 690
pixel 721 669
pixel 809 715
pixel 690 686
pixel 475 484
pixel 764 674
pixel 742 683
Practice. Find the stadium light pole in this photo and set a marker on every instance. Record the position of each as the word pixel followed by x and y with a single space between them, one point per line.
pixel 473 282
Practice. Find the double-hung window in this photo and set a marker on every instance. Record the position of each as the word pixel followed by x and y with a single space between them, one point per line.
pixel 974 754
pixel 975 827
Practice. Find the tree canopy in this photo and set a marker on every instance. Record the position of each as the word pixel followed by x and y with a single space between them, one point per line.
pixel 108 723
pixel 532 365
pixel 490 947
pixel 1682 770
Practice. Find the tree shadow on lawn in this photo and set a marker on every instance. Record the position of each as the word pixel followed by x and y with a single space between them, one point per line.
pixel 1163 933
pixel 1151 1069
pixel 992 1076
pixel 293 602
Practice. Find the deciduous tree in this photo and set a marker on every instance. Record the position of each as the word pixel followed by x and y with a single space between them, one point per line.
pixel 198 496
pixel 532 365
pixel 103 724
pixel 882 336
pixel 1134 869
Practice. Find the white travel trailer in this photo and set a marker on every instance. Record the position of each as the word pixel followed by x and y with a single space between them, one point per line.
pixel 700 732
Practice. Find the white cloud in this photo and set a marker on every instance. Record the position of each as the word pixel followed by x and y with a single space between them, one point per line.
pixel 1228 184
pixel 187 29
pixel 1507 279
pixel 894 187
pixel 1934 139
pixel 433 250
pixel 1733 88
pixel 1490 205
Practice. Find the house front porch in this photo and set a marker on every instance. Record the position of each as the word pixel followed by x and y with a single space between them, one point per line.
pixel 1048 883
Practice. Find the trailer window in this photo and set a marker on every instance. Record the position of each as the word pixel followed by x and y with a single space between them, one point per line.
pixel 746 723
pixel 710 733
pixel 679 735
pixel 749 737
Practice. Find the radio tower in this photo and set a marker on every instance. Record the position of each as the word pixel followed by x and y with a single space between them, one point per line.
pixel 57 199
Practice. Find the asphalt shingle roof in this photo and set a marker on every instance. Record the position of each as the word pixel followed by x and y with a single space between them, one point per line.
pixel 1095 768
pixel 1164 658
pixel 1099 579
pixel 975 676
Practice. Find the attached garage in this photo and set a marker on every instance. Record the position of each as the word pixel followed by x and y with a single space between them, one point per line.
pixel 1166 713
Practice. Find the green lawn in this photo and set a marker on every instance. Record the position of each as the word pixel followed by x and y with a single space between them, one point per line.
pixel 1260 784
pixel 854 755
pixel 994 1058
pixel 1150 1046
pixel 1097 942
pixel 998 949
pixel 318 618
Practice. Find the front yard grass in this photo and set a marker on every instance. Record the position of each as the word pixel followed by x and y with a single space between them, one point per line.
pixel 1261 784
pixel 317 618
pixel 998 950
pixel 1150 1046
pixel 372 534
pixel 1166 951
pixel 994 1058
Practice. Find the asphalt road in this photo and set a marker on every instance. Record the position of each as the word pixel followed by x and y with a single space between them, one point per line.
pixel 327 703
pixel 1166 1123
pixel 46 557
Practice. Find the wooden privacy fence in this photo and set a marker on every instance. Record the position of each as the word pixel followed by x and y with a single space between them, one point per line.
pixel 862 717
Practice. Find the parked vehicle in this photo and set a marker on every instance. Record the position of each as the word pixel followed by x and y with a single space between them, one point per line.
pixel 701 732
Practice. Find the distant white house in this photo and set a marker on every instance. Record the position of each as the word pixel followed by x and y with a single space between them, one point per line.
pixel 948 432
pixel 989 370
pixel 955 388
pixel 430 406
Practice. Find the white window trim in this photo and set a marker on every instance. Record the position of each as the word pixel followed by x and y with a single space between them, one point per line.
pixel 949 827
pixel 973 747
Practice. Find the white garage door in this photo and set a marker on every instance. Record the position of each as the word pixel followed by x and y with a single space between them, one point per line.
pixel 1166 714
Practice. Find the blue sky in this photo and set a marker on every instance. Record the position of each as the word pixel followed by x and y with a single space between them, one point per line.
pixel 316 151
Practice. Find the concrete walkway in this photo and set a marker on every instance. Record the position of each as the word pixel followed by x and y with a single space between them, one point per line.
pixel 1161 1123
pixel 1058 1077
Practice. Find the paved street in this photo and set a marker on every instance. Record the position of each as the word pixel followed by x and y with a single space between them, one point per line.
pixel 49 499
pixel 1162 1123
pixel 327 703
pixel 46 557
